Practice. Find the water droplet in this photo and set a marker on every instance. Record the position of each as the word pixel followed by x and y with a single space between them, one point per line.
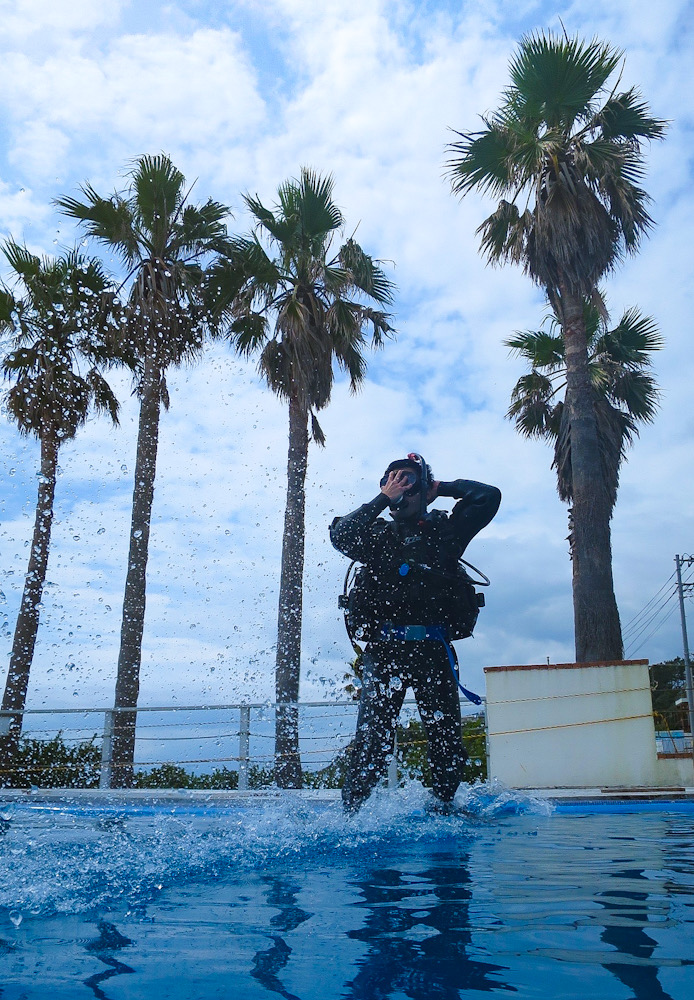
pixel 16 917
pixel 101 531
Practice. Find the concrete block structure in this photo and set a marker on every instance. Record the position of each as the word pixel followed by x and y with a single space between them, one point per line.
pixel 577 725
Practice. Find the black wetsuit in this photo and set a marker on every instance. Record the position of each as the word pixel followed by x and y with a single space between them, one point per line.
pixel 392 665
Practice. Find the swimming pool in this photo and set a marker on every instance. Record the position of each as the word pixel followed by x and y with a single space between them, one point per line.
pixel 285 897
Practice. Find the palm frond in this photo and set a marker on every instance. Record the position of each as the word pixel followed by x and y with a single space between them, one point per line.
pixel 222 284
pixel 64 324
pixel 102 395
pixel 316 305
pixel 632 341
pixel 627 205
pixel 561 461
pixel 319 213
pixel 108 220
pixel 624 393
pixel 282 228
pixel 637 393
pixel 505 234
pixel 158 190
pixel 20 359
pixel 531 407
pixel 380 325
pixel 484 160
pixel 550 139
pixel 200 229
pixel 8 308
pixel 248 332
pixel 626 116
pixel 24 263
pixel 560 77
pixel 540 348
pixel 317 434
pixel 250 258
pixel 367 275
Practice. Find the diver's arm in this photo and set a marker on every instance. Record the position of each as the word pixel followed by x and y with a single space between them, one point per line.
pixel 477 505
pixel 351 534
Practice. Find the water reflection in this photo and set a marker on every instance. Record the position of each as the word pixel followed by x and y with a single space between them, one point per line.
pixel 417 929
pixel 110 939
pixel 625 932
pixel 414 909
pixel 269 963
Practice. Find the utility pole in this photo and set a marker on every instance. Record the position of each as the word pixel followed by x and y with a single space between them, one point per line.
pixel 679 562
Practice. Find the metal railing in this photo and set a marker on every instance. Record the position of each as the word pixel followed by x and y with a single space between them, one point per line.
pixel 244 732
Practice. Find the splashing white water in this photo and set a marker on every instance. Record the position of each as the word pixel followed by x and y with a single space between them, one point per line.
pixel 76 856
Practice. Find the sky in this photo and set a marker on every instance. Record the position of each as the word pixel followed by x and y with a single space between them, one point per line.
pixel 241 95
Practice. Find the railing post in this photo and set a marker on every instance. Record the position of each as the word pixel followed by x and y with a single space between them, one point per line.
pixel 107 749
pixel 393 766
pixel 244 742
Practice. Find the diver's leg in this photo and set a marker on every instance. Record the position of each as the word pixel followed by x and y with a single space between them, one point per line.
pixel 379 707
pixel 436 692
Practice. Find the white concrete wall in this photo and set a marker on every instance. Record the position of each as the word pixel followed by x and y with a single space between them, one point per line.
pixel 576 726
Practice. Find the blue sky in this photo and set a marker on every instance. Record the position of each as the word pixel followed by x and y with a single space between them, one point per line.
pixel 241 95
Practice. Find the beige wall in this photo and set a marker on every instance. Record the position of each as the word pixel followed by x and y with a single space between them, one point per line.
pixel 576 725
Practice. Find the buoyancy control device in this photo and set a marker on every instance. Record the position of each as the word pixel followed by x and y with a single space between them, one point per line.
pixel 455 601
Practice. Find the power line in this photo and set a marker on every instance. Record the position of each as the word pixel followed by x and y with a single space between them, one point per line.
pixel 631 650
pixel 633 635
pixel 632 623
pixel 652 616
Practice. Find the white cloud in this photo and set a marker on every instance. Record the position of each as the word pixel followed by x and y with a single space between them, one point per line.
pixel 137 93
pixel 18 208
pixel 22 20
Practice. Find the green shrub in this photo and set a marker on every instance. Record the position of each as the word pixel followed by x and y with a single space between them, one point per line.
pixel 412 756
pixel 55 764
pixel 412 750
pixel 174 776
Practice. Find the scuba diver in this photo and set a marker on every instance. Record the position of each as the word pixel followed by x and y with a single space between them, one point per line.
pixel 410 598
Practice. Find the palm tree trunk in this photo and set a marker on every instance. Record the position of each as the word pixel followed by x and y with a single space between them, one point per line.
pixel 130 655
pixel 598 632
pixel 288 662
pixel 14 698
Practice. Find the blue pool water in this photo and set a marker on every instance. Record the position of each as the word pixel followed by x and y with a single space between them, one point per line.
pixel 288 898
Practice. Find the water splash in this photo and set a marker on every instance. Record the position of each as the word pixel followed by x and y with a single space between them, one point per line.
pixel 74 856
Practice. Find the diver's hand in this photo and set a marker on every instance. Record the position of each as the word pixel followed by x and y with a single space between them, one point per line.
pixel 396 484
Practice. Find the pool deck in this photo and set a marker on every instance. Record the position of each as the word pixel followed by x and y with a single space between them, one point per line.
pixel 178 796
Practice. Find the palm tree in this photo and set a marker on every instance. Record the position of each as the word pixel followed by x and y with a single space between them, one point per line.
pixel 624 392
pixel 301 305
pixel 162 241
pixel 64 333
pixel 565 157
